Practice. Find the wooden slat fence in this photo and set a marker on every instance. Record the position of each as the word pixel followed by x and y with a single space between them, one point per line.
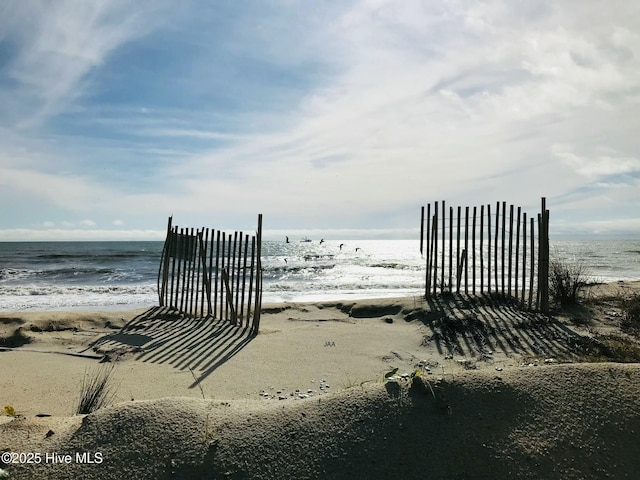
pixel 480 250
pixel 210 273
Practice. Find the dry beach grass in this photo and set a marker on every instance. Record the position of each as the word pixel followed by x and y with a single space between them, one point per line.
pixel 500 393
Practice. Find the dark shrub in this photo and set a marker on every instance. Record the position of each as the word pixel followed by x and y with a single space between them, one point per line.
pixel 631 314
pixel 97 389
pixel 566 281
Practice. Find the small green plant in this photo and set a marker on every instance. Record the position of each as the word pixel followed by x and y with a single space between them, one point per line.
pixel 567 281
pixel 390 373
pixel 9 410
pixel 97 389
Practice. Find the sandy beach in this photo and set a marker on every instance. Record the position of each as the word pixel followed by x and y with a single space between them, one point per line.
pixel 482 389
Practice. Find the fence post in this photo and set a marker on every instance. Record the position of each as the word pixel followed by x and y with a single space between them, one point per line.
pixel 458 253
pixel 543 281
pixel 531 270
pixel 482 248
pixel 195 270
pixel 244 278
pixel 539 270
pixel 466 249
pixel 217 276
pixel 238 270
pixel 179 249
pixel 421 229
pixel 495 248
pixel 435 250
pixel 444 238
pixel 163 274
pixel 174 249
pixel 427 288
pixel 510 247
pixel 504 231
pixel 524 256
pixel 223 306
pixel 431 256
pixel 450 249
pixel 229 265
pixel 461 264
pixel 258 308
pixel 489 248
pixel 517 253
pixel 206 279
pixel 473 251
pixel 251 269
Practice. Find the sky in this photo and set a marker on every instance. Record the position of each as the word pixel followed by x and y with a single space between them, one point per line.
pixel 334 119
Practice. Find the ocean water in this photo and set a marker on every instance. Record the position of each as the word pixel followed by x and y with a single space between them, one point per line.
pixel 121 275
pixel 310 271
pixel 61 275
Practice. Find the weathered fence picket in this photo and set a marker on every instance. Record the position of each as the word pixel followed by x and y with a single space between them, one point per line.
pixel 503 256
pixel 204 273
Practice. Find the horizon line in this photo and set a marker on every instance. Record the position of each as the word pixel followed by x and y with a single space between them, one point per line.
pixel 148 235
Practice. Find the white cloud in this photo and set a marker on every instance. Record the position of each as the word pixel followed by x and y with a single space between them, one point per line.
pixel 598 165
pixel 61 43
pixel 71 192
pixel 52 234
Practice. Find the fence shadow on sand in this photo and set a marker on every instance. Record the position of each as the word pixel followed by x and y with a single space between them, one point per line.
pixel 163 335
pixel 476 327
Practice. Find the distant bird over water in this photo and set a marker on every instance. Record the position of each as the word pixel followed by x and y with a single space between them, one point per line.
pixel 341 245
pixel 287 239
